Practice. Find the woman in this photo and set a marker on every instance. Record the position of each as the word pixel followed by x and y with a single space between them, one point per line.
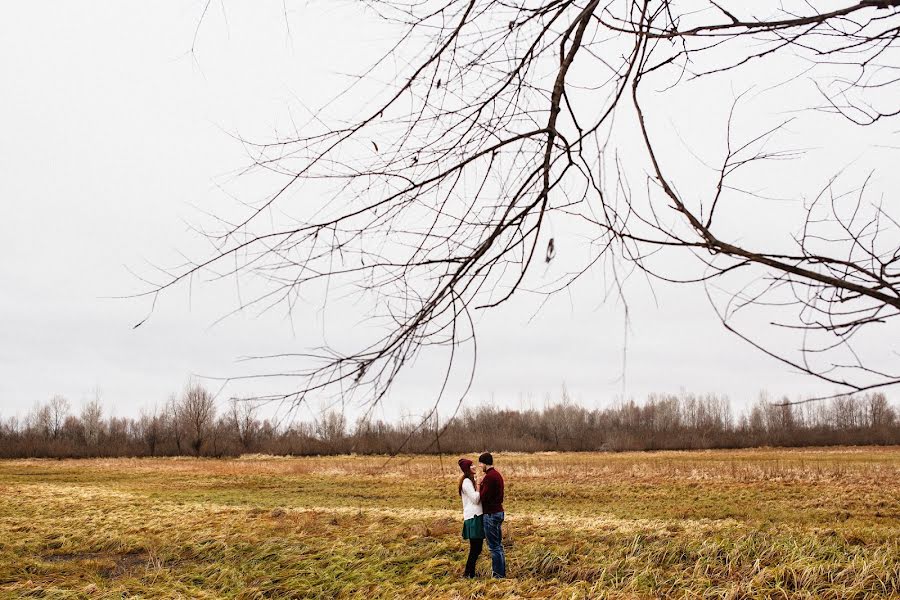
pixel 473 529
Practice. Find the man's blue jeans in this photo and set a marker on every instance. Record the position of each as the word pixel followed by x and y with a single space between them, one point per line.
pixel 494 535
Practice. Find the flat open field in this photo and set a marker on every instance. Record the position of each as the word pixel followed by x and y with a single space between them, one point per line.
pixel 732 524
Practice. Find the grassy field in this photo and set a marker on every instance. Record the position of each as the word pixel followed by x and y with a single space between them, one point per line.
pixel 718 524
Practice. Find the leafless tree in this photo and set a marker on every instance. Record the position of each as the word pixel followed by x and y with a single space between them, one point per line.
pixel 502 116
pixel 197 412
pixel 670 421
pixel 243 423
pixel 92 421
pixel 878 410
pixel 152 426
pixel 331 427
pixel 174 418
pixel 51 416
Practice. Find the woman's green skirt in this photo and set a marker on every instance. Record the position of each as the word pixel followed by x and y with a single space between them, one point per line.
pixel 473 529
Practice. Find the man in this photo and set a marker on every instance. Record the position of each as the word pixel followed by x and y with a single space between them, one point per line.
pixel 491 489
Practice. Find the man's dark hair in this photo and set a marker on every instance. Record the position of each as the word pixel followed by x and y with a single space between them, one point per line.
pixel 486 459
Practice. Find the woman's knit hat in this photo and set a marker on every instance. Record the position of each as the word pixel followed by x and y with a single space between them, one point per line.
pixel 465 464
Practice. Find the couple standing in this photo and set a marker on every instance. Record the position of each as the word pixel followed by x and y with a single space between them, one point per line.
pixel 482 513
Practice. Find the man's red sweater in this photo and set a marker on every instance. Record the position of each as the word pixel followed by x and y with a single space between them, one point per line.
pixel 491 489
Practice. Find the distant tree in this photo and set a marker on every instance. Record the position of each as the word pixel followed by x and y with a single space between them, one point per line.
pixel 563 426
pixel 120 432
pixel 10 427
pixel 197 411
pixel 563 420
pixel 92 421
pixel 846 413
pixel 175 422
pixel 331 427
pixel 151 426
pixel 52 416
pixel 878 412
pixel 242 422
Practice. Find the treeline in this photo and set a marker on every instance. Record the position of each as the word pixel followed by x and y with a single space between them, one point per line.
pixel 192 424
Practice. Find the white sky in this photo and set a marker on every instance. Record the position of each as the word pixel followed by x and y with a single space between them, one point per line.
pixel 112 131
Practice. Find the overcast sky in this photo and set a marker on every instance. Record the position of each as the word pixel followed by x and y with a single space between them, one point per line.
pixel 113 132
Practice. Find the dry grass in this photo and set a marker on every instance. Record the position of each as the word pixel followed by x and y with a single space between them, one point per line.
pixel 718 524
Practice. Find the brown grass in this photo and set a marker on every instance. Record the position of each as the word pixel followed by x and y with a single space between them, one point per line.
pixel 821 523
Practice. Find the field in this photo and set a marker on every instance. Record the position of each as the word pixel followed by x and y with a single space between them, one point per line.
pixel 716 524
